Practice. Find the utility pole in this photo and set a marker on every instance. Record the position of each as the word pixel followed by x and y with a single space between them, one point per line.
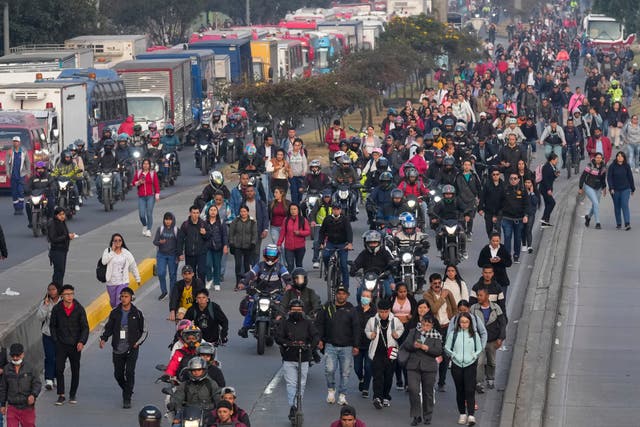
pixel 247 18
pixel 5 28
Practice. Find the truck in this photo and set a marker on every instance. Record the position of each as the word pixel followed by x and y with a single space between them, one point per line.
pixel 202 72
pixel 223 68
pixel 159 90
pixel 265 59
pixel 239 52
pixel 353 31
pixel 48 56
pixel 605 33
pixel 109 50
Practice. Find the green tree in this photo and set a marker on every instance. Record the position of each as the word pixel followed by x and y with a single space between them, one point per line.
pixel 626 11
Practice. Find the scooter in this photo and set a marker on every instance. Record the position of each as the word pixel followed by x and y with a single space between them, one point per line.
pixel 297 420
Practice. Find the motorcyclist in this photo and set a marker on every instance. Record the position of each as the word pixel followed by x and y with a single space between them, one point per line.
pixel 391 213
pixel 435 167
pixel 268 275
pixel 447 174
pixel 484 155
pixel 398 133
pixel 191 338
pixel 123 155
pixel 250 162
pixel 380 198
pixel 171 143
pixel 345 148
pixel 106 135
pixel 412 184
pixel 199 390
pixel 451 208
pixel 207 351
pixel 204 133
pixel 409 236
pixel 315 180
pixel 316 217
pixel 40 180
pixel 438 139
pixel 108 163
pixel 346 174
pixel 138 139
pixel 429 149
pixel 216 183
pixel 151 128
pixel 68 168
pixel 149 416
pixel 154 147
pixel 79 161
pixel 374 257
pixel 300 290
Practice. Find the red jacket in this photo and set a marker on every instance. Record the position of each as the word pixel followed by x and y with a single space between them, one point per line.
pixel 127 126
pixel 174 363
pixel 151 183
pixel 606 147
pixel 417 189
pixel 290 239
pixel 328 138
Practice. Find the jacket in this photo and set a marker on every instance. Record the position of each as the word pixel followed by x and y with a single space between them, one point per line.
pixel 606 147
pixel 309 297
pixel 339 325
pixel 212 321
pixel 44 316
pixel 549 137
pixel 130 264
pixel 16 387
pixel 512 155
pixel 25 162
pixel 243 234
pixel 436 303
pixel 420 360
pixel 178 288
pixel 218 235
pixel 151 185
pixel 491 198
pixel 464 351
pixel 136 330
pixel 496 325
pixel 378 262
pixel 548 176
pixel 468 190
pixel 289 331
pixel 478 327
pixel 287 233
pixel 593 176
pixel 620 177
pixel 170 236
pixel 495 293
pixel 190 241
pixel 500 267
pixel 58 235
pixel 127 126
pixel 336 230
pixel 363 318
pixel 72 329
pixel 373 325
pixel 204 393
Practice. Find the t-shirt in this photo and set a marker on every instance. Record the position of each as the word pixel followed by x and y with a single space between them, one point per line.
pixel 186 300
pixel 123 343
pixel 486 312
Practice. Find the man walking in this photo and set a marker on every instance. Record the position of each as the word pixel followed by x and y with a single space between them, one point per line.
pixel 18 166
pixel 59 240
pixel 127 329
pixel 70 331
pixel 19 388
pixel 192 242
pixel 549 174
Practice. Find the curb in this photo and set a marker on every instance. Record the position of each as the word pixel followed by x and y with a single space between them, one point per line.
pixel 99 308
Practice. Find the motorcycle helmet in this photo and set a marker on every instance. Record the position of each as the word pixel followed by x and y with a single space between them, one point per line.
pixel 216 178
pixel 449 161
pixel 377 151
pixel 460 129
pixel 191 336
pixel 271 254
pixel 512 121
pixel 448 193
pixel 154 137
pixel 315 167
pixel 398 121
pixel 123 137
pixel 354 143
pixel 409 224
pixel 448 123
pixel 197 364
pixel 326 193
pixel 372 241
pixel 137 128
pixel 153 127
pixel 345 162
pixel 182 325
pixel 106 133
pixel 439 154
pixel 391 111
pixel 251 150
pixel 215 116
pixel 614 84
pixel 65 157
pixel 72 148
pixel 299 277
pixel 396 196
pixel 382 164
pixel 40 165
pixel 436 132
pixel 207 348
pixel 169 129
pixel 205 125
pixel 80 144
pixel 149 416
pixel 386 179
pixel 411 174
pixel 344 145
pixel 429 137
pixel 296 302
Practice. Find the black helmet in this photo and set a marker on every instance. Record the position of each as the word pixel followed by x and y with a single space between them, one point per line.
pixel 149 416
pixel 383 163
pixel 197 363
pixel 386 178
pixel 137 127
pixel 109 143
pixel 296 302
pixel 449 161
pixel 299 277
pixel 370 237
pixel 396 193
pixel 64 155
pixel 106 130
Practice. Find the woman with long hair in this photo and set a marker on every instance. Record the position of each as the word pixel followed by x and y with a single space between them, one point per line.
pixel 119 262
pixel 295 229
pixel 593 183
pixel 278 209
pixel 218 245
pixel 453 283
pixel 621 187
pixel 148 186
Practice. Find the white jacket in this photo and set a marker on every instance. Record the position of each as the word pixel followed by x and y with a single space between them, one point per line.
pixel 130 264
pixel 373 325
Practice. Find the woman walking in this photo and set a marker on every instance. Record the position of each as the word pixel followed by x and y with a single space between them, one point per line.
pixel 404 308
pixel 464 347
pixel 148 192
pixel 119 262
pixel 593 183
pixel 453 283
pixel 218 245
pixel 166 239
pixel 298 167
pixel 294 232
pixel 424 345
pixel 278 209
pixel 621 187
pixel 279 169
pixel 44 316
pixel 243 233
pixel 534 203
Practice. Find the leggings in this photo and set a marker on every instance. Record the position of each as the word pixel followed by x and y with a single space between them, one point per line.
pixel 465 381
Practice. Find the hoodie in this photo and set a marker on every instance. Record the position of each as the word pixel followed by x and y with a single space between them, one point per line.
pixel 127 126
pixel 170 235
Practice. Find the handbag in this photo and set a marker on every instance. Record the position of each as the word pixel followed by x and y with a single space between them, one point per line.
pixel 392 352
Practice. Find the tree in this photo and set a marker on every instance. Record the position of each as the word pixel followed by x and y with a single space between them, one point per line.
pixel 626 11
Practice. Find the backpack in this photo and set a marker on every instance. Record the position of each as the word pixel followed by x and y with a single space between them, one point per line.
pixel 539 173
pixel 101 271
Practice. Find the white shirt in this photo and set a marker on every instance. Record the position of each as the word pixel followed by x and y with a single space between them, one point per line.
pixel 494 252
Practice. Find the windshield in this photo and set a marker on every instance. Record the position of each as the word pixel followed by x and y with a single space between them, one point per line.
pixel 323 58
pixel 604 30
pixel 257 72
pixel 6 134
pixel 146 109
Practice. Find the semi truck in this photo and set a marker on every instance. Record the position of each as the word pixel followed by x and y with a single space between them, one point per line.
pixel 239 52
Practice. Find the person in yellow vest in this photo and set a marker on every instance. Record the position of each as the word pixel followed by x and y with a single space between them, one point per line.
pixel 320 211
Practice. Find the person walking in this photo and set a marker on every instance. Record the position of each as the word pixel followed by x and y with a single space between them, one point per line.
pixel 361 362
pixel 549 174
pixel 209 317
pixel 293 234
pixel 148 186
pixel 453 283
pixel 3 246
pixel 119 262
pixel 278 208
pixel 127 331
pixel 3 364
pixel 404 309
pixel 243 233
pixel 192 242
pixel 464 347
pixel 298 167
pixel 631 137
pixel 621 187
pixel 17 167
pixel 257 210
pixel 49 346
pixel 59 240
pixel 19 389
pixel 218 246
pixel 496 255
pixel 531 192
pixel 166 239
pixel 513 210
pixel 593 183
pixel 70 331
pixel 424 345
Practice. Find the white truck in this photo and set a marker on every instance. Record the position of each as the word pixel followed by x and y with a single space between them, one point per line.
pixel 37 62
pixel 109 50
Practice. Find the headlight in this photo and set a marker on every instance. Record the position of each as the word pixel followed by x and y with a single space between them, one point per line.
pixel 231 140
pixel 167 156
pixel 106 178
pixel 264 304
pixel 63 184
pixel 313 200
pixel 450 230
pixel 437 199
pixel 136 154
pixel 370 285
pixel 432 192
pixel 36 199
pixel 343 194
pixel 260 129
pixel 411 203
pixel 407 258
pixel 191 423
pixel 203 147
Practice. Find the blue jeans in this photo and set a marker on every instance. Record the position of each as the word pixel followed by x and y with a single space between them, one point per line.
pixel 342 253
pixel 145 210
pixel 594 197
pixel 294 184
pixel 633 152
pixel 338 356
pixel 49 347
pixel 274 232
pixel 512 228
pixel 557 148
pixel 294 258
pixel 164 262
pixel 17 193
pixel 621 203
pixel 266 180
pixel 214 261
pixel 363 369
pixel 291 379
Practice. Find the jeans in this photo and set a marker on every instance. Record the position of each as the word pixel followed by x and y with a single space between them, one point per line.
pixel 124 371
pixel 64 351
pixel 465 381
pixel 274 232
pixel 342 253
pixel 244 261
pixel 17 193
pixel 527 231
pixel 363 369
pixel 58 259
pixel 49 346
pixel 266 180
pixel 145 210
pixel 512 228
pixel 294 258
pixel 295 183
pixel 594 197
pixel 214 262
pixel 487 363
pixel 633 152
pixel 605 127
pixel 291 379
pixel 614 136
pixel 338 356
pixel 549 204
pixel 164 262
pixel 621 203
pixel 421 406
pixel 556 148
pixel 199 264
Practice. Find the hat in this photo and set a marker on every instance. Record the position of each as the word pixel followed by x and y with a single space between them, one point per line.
pixel 187 269
pixel 16 349
pixel 347 410
pixel 15 138
pixel 384 304
pixel 224 404
pixel 342 289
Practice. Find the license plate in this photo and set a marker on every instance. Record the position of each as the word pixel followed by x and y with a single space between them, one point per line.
pixel 3 179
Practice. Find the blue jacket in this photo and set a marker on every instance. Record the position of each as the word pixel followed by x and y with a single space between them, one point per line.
pixel 620 177
pixel 379 199
pixel 170 142
pixel 237 199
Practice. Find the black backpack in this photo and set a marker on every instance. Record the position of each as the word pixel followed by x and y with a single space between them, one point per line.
pixel 101 271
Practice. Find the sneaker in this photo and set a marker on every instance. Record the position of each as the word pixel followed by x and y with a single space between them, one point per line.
pixel 209 284
pixel 292 413
pixel 77 208
pixel 545 224
pixel 441 388
pixel 462 419
pixel 618 227
pixel 73 400
pixel 365 394
pixel 144 230
pixel 480 388
pixel 316 265
pixel 331 396
pixel 399 386
pixel 386 403
pixel 465 255
pixel 491 384
pixel 126 403
pixel 29 226
pixel 216 288
pixel 377 403
pixel 523 248
pixel 147 233
pixel 637 170
pixel 587 220
pixel 60 401
pixel 471 420
pixel 342 399
pixel 416 421
pixel 627 227
pixel 49 385
pixel 516 259
pixel 243 332
pixel 162 296
pixel 469 237
pixel 598 226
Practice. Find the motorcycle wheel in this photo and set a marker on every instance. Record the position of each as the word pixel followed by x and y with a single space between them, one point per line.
pixel 261 337
pixel 453 259
pixel 298 419
pixel 204 166
pixel 35 224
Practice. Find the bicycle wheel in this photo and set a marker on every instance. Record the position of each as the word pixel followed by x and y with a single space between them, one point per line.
pixel 567 164
pixel 331 272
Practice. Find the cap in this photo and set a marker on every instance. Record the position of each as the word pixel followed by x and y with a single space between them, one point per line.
pixel 342 289
pixel 384 304
pixel 15 138
pixel 187 269
pixel 224 404
pixel 16 349
pixel 347 410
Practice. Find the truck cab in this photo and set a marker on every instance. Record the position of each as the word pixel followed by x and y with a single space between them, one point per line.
pixel 149 107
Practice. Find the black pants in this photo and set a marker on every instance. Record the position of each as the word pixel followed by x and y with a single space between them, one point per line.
pixel 465 381
pixel 244 261
pixel 64 351
pixel 124 371
pixel 491 226
pixel 199 265
pixel 58 259
pixel 383 370
pixel 549 204
pixel 444 365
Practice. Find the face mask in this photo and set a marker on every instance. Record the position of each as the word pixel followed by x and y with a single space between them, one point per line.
pixel 296 316
pixel 16 362
pixel 365 300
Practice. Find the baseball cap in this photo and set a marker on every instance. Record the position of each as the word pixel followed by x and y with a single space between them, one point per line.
pixel 16 349
pixel 187 269
pixel 342 289
pixel 16 138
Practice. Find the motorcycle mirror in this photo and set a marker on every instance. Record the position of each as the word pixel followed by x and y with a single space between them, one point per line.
pixel 167 390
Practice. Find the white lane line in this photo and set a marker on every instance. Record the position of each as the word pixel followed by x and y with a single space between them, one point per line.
pixel 273 384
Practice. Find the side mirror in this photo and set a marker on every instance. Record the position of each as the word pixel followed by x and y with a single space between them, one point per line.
pixel 96 113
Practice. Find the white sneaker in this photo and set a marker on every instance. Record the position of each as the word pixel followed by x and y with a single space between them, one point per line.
pixel 316 265
pixel 637 170
pixel 209 284
pixel 342 399
pixel 524 248
pixel 144 231
pixel 462 419
pixel 77 208
pixel 471 420
pixel 331 396
pixel 147 233
pixel 49 385
pixel 216 288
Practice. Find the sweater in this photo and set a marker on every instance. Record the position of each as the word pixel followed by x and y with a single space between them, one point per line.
pixel 620 177
pixel 464 351
pixel 130 265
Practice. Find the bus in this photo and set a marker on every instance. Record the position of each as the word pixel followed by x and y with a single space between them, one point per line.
pixel 605 32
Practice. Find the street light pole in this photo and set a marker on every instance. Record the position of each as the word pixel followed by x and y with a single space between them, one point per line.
pixel 247 18
pixel 5 28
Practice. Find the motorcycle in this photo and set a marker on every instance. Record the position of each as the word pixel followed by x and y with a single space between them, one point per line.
pixel 260 130
pixel 232 146
pixel 108 197
pixel 170 167
pixel 413 203
pixel 451 246
pixel 374 282
pixel 204 156
pixel 192 415
pixel 64 195
pixel 38 201
pixel 266 308
pixel 406 270
pixel 346 197
pixel 309 200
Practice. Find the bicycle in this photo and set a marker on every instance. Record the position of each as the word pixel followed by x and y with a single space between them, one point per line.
pixel 333 275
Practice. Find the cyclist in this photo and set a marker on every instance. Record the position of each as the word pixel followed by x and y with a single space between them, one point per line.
pixel 336 235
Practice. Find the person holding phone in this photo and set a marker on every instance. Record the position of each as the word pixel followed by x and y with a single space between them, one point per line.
pixel 119 262
pixel 496 255
pixel 51 298
pixel 59 239
pixel 148 186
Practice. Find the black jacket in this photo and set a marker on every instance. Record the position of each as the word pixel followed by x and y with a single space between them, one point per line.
pixel 491 197
pixel 309 297
pixel 217 326
pixel 136 332
pixel 339 326
pixel 514 203
pixel 378 262
pixel 174 301
pixel 548 176
pixel 190 241
pixel 512 155
pixel 363 318
pixel 58 235
pixel 16 387
pixel 72 329
pixel 500 267
pixel 336 230
pixel 495 293
pixel 289 331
